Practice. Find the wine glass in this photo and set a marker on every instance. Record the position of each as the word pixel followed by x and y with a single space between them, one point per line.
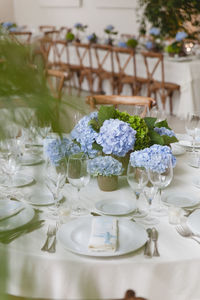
pixel 78 177
pixel 137 178
pixel 55 178
pixel 192 127
pixel 150 193
pixel 160 181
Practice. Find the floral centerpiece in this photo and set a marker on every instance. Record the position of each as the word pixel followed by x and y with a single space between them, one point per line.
pixel 155 42
pixel 177 46
pixel 92 38
pixel 110 132
pixel 10 26
pixel 79 28
pixel 107 169
pixel 110 31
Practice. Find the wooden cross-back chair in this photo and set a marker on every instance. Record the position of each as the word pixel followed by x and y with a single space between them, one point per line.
pixel 52 34
pixel 22 37
pixel 84 57
pixel 59 59
pixel 55 80
pixel 164 89
pixel 41 52
pixel 118 100
pixel 131 295
pixel 44 28
pixel 104 66
pixel 126 71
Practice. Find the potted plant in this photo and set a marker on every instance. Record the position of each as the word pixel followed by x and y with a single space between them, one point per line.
pixel 79 28
pixel 107 169
pixel 110 31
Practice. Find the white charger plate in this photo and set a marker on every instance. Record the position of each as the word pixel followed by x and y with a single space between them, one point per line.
pixel 9 208
pixel 115 206
pixel 75 234
pixel 193 221
pixel 181 199
pixel 18 220
pixel 17 180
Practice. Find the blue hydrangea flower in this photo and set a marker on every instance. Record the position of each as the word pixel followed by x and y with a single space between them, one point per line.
pixel 104 165
pixel 154 158
pixel 180 36
pixel 122 45
pixel 154 31
pixel 149 45
pixel 7 24
pixel 90 37
pixel 85 135
pixel 164 131
pixel 78 25
pixel 58 149
pixel 110 27
pixel 116 137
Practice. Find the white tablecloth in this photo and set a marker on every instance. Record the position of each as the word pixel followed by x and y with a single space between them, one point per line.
pixel 64 275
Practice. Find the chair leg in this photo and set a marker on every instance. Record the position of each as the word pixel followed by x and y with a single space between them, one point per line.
pixel 170 103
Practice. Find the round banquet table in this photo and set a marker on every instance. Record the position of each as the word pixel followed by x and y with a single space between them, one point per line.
pixel 65 275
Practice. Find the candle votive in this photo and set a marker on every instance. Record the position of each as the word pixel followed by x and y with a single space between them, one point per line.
pixel 175 214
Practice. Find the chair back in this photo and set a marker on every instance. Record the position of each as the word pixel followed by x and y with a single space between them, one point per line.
pixel 22 37
pixel 52 34
pixel 44 28
pixel 59 54
pixel 118 100
pixel 43 49
pixel 55 80
pixel 154 63
pixel 104 58
pixel 130 295
pixel 83 53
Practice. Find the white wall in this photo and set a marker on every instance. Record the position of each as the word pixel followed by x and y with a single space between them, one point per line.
pixel 29 12
pixel 6 11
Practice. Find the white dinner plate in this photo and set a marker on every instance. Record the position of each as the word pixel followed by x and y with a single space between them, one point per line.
pixel 180 198
pixel 193 221
pixel 18 220
pixel 9 208
pixel 115 206
pixel 30 160
pixel 41 197
pixel 17 180
pixel 74 236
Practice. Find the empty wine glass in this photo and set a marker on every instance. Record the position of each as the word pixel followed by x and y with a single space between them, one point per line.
pixel 55 178
pixel 150 193
pixel 78 177
pixel 137 178
pixel 161 181
pixel 192 127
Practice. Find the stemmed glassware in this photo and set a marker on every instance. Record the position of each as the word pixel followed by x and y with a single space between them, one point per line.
pixel 137 178
pixel 192 127
pixel 78 177
pixel 150 193
pixel 161 181
pixel 55 178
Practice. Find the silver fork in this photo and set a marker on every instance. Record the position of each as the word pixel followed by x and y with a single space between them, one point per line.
pixel 185 231
pixel 50 233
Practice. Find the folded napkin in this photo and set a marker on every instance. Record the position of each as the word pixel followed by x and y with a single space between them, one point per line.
pixel 103 234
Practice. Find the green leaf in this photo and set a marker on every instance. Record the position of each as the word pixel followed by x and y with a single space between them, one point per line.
pixel 95 124
pixel 156 138
pixel 106 113
pixel 162 124
pixel 97 147
pixel 150 122
pixel 168 140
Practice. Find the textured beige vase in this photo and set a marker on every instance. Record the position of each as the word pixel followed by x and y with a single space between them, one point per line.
pixel 107 183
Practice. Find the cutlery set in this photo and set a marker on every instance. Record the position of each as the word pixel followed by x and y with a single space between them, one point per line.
pixel 152 238
pixel 185 231
pixel 50 242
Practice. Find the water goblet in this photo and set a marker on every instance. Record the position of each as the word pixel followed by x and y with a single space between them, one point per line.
pixel 161 180
pixel 78 176
pixel 150 193
pixel 137 178
pixel 55 178
pixel 192 127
